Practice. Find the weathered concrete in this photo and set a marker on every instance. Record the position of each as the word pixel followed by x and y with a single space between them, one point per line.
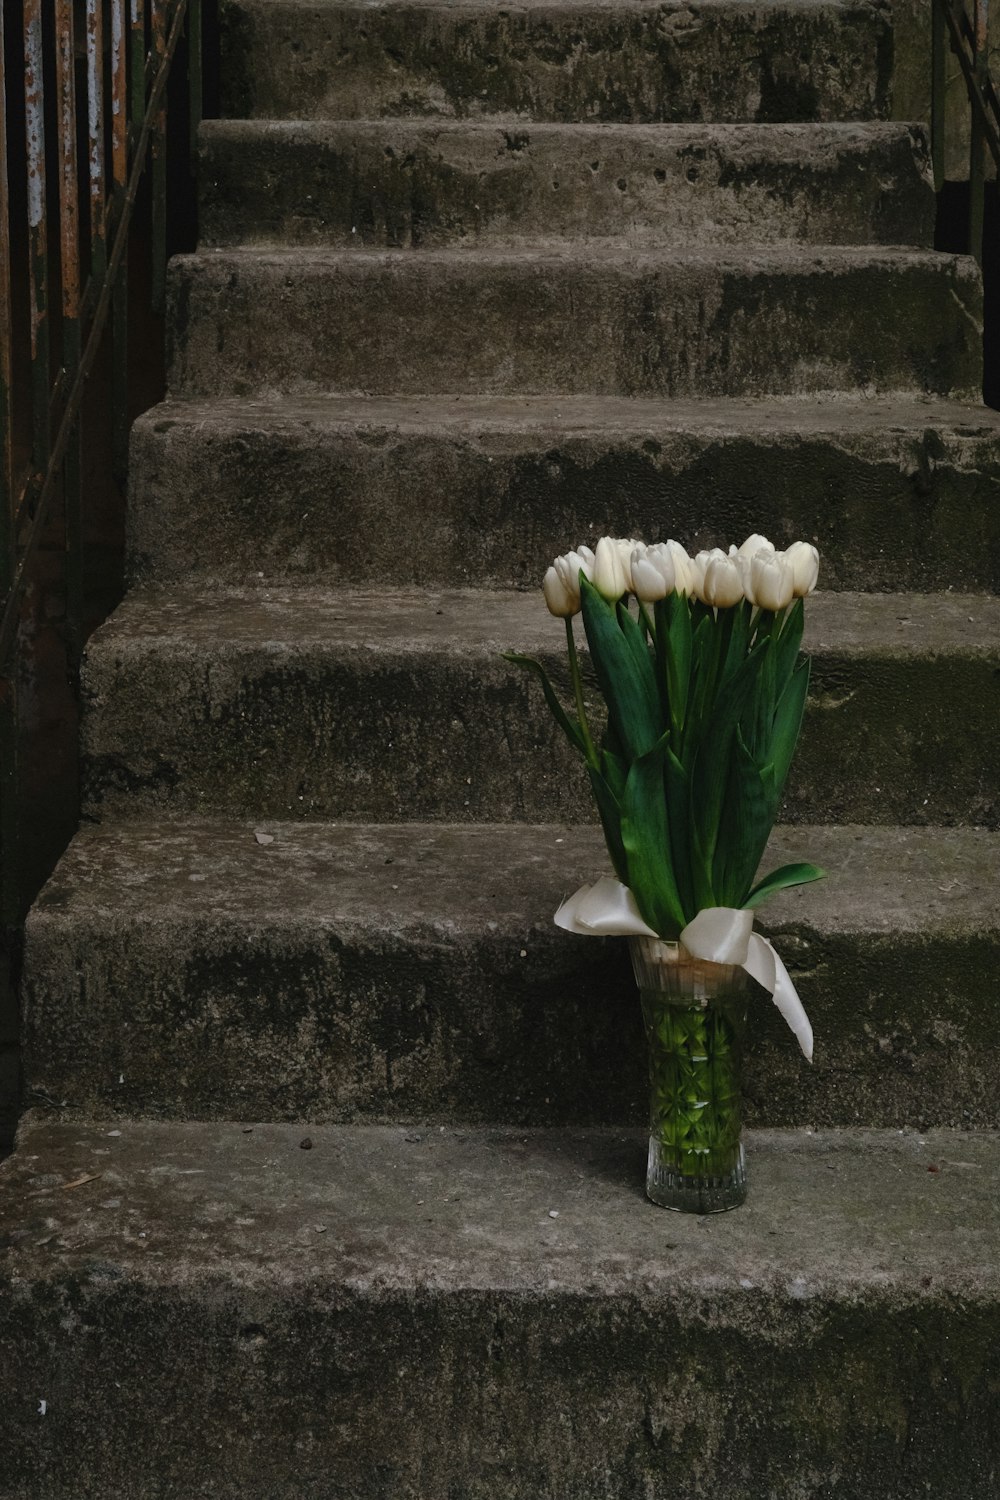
pixel 386 706
pixel 322 489
pixel 795 320
pixel 322 1318
pixel 413 972
pixel 632 62
pixel 394 183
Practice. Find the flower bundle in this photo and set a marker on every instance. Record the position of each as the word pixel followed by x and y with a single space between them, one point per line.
pixel 705 690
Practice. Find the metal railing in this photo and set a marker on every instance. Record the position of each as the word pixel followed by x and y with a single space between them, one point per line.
pixel 965 35
pixel 83 140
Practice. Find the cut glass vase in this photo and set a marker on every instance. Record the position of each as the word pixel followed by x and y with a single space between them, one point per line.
pixel 695 1019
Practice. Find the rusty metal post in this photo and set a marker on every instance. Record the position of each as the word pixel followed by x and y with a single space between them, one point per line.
pixel 95 137
pixel 69 267
pixel 7 496
pixel 97 323
pixel 38 258
pixel 119 174
pixel 158 22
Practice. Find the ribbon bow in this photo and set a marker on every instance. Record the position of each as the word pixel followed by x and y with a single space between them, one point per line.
pixel 718 934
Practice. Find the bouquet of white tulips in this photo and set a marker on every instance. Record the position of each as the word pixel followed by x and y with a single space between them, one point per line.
pixel 705 691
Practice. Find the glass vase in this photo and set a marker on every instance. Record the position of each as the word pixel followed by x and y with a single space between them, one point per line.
pixel 695 1018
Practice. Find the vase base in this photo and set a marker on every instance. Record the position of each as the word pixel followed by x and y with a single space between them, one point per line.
pixel 668 1187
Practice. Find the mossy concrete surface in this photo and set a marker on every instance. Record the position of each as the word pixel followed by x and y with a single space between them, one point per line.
pixel 189 970
pixel 485 491
pixel 426 1313
pixel 410 184
pixel 389 706
pixel 637 62
pixel 573 320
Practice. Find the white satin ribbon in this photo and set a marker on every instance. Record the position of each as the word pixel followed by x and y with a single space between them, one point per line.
pixel 718 934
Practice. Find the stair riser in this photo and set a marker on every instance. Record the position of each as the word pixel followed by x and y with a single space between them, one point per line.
pixel 379 737
pixel 291 1020
pixel 235 498
pixel 361 1390
pixel 383 324
pixel 633 64
pixel 396 185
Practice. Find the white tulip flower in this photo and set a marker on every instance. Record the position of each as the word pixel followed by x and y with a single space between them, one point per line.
pixel 570 566
pixel 648 582
pixel 699 566
pixel 609 572
pixel 755 543
pixel 804 560
pixel 559 597
pixel 772 580
pixel 652 573
pixel 723 585
pixel 684 575
pixel 627 547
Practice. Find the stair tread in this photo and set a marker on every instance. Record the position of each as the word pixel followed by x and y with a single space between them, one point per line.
pixel 777 135
pixel 347 972
pixel 493 1312
pixel 465 879
pixel 472 622
pixel 566 317
pixel 385 1208
pixel 822 259
pixel 569 414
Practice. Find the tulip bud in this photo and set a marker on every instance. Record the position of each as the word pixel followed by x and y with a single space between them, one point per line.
pixel 699 565
pixel 682 565
pixel 626 546
pixel 804 560
pixel 558 596
pixel 609 574
pixel 652 573
pixel 772 580
pixel 570 566
pixel 648 583
pixel 723 582
pixel 755 543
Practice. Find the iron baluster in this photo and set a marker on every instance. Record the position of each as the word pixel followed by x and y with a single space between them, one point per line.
pixel 38 258
pixel 69 276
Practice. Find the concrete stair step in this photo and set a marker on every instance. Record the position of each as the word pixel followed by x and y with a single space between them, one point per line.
pixel 729 322
pixel 632 63
pixel 403 183
pixel 386 1314
pixel 390 706
pixel 321 489
pixel 343 972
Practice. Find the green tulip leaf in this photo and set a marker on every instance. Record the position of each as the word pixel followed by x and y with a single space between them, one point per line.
pixel 646 839
pixel 739 639
pixel 711 767
pixel 625 676
pixel 787 723
pixel 570 727
pixel 788 644
pixel 748 815
pixel 781 880
pixel 677 785
pixel 615 772
pixel 678 657
pixel 610 813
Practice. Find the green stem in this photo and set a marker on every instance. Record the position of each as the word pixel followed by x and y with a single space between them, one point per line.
pixel 644 616
pixel 593 758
